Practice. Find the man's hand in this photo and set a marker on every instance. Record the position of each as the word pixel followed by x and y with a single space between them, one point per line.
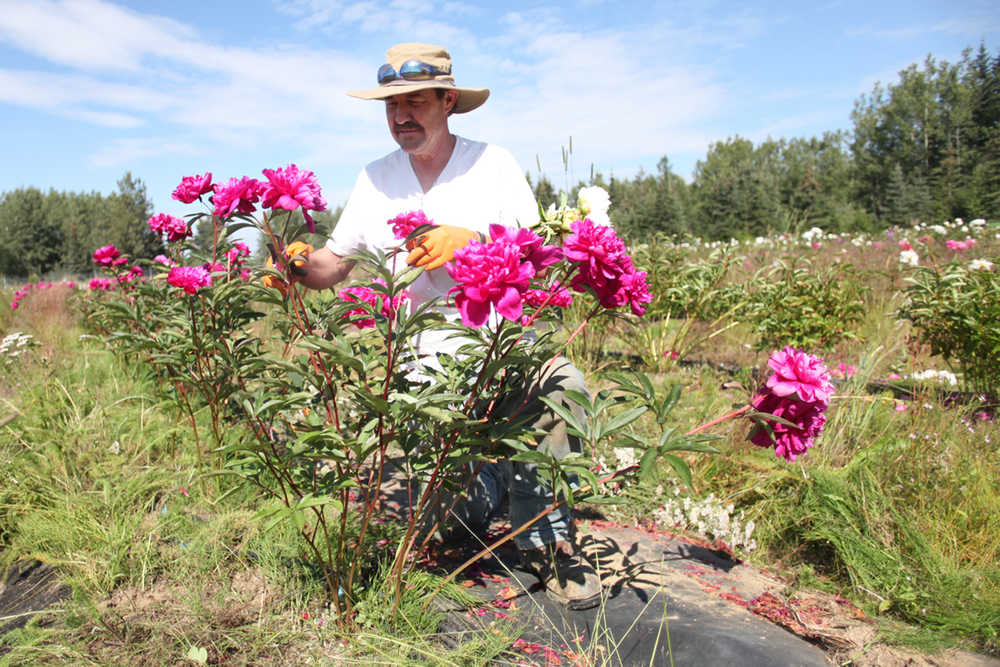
pixel 434 248
pixel 297 254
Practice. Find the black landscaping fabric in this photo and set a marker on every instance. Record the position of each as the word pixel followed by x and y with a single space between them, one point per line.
pixel 667 601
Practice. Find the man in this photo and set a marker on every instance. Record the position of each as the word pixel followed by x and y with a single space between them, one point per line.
pixel 463 186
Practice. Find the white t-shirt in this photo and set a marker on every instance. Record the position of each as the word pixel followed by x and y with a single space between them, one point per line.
pixel 482 184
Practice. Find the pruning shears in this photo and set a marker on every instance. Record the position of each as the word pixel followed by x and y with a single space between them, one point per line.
pixel 296 263
pixel 416 234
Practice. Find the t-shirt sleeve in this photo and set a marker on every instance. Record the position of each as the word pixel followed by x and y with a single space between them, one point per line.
pixel 517 201
pixel 349 235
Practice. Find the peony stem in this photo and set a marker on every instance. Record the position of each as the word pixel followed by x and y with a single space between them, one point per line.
pixel 732 415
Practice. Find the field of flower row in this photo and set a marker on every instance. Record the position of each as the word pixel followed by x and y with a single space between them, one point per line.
pixel 301 396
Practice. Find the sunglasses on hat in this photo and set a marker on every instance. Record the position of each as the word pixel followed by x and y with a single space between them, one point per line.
pixel 411 70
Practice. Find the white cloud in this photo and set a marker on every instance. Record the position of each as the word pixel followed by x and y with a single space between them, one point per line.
pixel 125 151
pixel 106 118
pixel 45 90
pixel 88 34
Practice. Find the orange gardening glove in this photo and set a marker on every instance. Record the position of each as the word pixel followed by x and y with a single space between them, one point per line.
pixel 437 246
pixel 297 253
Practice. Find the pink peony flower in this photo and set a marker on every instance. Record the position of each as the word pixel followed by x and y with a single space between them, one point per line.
pixel 100 284
pixel 289 188
pixel 796 372
pixel 373 298
pixel 489 275
pixel 960 246
pixel 601 254
pixel 236 254
pixel 905 245
pixel 109 255
pixel 404 223
pixel 189 278
pixel 845 371
pixel 605 267
pixel 175 228
pixel 637 291
pixel 193 187
pixel 133 273
pixel 164 260
pixel 533 248
pixel 14 305
pixel 561 297
pixel 238 195
pixel 798 392
pixel 788 441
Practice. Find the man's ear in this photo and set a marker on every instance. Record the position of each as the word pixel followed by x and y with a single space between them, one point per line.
pixel 450 100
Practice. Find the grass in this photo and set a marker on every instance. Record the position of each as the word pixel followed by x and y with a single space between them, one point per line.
pixel 100 482
pixel 892 509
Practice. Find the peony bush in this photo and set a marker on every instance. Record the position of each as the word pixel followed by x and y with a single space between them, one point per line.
pixel 312 400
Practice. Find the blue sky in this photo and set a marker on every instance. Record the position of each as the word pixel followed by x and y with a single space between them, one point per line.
pixel 90 89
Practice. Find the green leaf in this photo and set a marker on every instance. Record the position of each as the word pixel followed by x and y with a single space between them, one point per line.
pixel 647 463
pixel 572 423
pixel 531 456
pixel 624 419
pixel 680 467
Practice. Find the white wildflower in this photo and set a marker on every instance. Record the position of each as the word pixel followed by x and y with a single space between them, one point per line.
pixel 909 257
pixel 626 457
pixel 980 265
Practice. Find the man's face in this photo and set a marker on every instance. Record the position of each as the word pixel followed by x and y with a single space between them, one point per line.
pixel 419 121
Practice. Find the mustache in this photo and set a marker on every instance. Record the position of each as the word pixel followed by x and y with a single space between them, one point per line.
pixel 406 126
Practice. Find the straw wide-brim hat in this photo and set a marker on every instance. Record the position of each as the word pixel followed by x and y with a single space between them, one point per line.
pixel 438 58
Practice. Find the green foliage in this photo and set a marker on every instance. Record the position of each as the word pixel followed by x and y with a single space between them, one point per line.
pixel 694 300
pixel 44 232
pixel 955 311
pixel 310 414
pixel 926 147
pixel 30 241
pixel 877 538
pixel 736 189
pixel 794 303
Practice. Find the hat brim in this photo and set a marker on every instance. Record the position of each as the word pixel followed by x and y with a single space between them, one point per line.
pixel 468 98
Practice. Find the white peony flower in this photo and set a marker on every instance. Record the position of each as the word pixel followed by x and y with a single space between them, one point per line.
pixel 813 233
pixel 980 265
pixel 594 202
pixel 909 257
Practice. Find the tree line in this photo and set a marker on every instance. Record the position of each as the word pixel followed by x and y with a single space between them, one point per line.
pixel 926 147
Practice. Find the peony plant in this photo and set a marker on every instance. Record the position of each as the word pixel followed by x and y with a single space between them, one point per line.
pixel 312 413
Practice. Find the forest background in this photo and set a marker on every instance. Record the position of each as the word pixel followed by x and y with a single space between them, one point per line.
pixel 926 148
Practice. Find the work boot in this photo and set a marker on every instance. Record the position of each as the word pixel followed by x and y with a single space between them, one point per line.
pixel 567 576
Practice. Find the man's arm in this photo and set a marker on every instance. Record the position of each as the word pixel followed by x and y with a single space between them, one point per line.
pixel 324 270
